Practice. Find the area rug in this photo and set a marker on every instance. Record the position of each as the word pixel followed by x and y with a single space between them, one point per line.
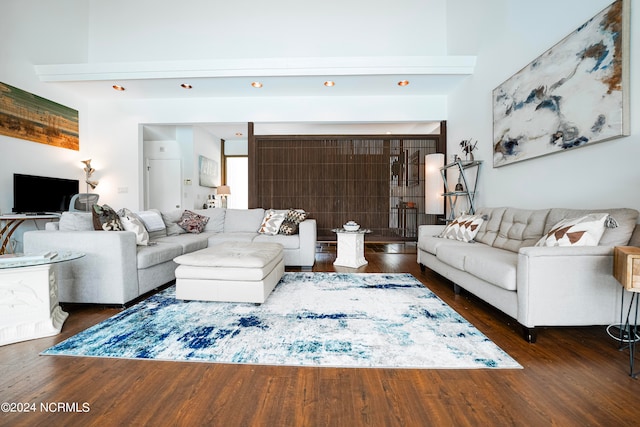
pixel 310 319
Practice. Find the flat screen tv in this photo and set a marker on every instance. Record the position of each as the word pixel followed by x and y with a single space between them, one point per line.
pixel 39 194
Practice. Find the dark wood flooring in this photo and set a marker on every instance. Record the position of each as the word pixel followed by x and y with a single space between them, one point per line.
pixel 571 377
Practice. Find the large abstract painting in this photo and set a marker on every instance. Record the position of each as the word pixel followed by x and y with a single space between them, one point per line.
pixel 27 116
pixel 574 94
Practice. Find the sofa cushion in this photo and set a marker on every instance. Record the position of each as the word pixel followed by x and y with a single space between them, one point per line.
pixel 191 222
pixel 171 220
pixel 231 237
pixel 76 221
pixel 490 226
pixel 496 266
pixel 452 255
pixel 520 227
pixel 618 236
pixel 431 244
pixel 148 256
pixel 583 231
pixel 216 219
pixel 243 220
pixel 287 242
pixel 190 242
pixel 464 228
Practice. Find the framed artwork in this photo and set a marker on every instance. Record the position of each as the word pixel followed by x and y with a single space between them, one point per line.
pixel 574 94
pixel 33 118
pixel 209 172
pixel 414 169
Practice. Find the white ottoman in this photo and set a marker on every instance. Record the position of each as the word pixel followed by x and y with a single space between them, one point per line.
pixel 233 272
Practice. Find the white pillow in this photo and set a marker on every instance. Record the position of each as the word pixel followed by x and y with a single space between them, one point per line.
pixel 464 228
pixel 272 221
pixel 584 231
pixel 131 223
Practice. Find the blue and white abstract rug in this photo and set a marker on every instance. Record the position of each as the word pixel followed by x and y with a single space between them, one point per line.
pixel 310 319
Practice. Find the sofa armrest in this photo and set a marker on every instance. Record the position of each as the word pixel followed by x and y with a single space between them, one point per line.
pixel 567 286
pixel 107 274
pixel 308 237
pixel 429 230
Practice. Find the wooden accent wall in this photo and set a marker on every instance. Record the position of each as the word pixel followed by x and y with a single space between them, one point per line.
pixel 342 178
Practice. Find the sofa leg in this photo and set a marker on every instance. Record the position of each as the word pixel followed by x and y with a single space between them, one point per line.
pixel 530 334
pixel 422 268
pixel 456 289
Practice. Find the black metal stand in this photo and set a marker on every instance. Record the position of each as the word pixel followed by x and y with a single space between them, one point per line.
pixel 628 335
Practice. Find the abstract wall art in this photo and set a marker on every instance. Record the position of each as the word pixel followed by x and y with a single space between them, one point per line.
pixel 27 116
pixel 574 94
pixel 209 172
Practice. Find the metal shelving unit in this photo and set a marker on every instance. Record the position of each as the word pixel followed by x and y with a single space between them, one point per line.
pixel 468 192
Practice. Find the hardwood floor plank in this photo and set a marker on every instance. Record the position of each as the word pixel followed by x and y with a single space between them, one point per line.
pixel 570 377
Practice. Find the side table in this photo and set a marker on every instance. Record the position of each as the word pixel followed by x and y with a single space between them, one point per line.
pixel 350 248
pixel 626 270
pixel 10 223
pixel 29 297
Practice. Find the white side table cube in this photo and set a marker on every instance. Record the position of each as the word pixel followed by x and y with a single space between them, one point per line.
pixel 350 248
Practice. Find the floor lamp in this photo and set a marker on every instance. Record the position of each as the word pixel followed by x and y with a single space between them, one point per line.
pixel 433 184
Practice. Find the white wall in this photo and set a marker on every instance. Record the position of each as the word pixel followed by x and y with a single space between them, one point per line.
pixel 506 35
pixel 151 30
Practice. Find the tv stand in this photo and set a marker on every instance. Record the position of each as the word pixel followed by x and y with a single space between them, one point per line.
pixel 9 223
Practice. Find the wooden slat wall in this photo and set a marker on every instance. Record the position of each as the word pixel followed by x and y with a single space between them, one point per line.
pixel 335 179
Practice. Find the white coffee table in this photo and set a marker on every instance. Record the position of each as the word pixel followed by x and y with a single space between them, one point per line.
pixel 350 248
pixel 29 297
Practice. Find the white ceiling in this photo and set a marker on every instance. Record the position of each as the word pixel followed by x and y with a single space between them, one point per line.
pixel 280 77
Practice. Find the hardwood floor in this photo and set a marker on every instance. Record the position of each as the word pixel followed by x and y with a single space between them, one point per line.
pixel 571 377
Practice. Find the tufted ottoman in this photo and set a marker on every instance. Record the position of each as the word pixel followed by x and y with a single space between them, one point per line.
pixel 232 272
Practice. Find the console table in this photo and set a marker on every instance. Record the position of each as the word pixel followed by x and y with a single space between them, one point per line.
pixel 29 296
pixel 9 224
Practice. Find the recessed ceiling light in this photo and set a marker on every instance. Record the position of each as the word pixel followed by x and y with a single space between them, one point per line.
pixel 118 87
pixel 238 133
pixel 403 83
pixel 329 83
pixel 186 86
pixel 256 84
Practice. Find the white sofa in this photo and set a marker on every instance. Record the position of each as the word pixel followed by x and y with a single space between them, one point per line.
pixel 537 286
pixel 115 270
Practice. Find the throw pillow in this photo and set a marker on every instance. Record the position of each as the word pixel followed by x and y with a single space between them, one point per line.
pixel 291 222
pixel 105 218
pixel 583 231
pixel 464 228
pixel 131 222
pixel 191 222
pixel 271 222
pixel 152 220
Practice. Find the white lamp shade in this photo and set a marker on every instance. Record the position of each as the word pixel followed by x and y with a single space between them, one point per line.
pixel 433 185
pixel 223 190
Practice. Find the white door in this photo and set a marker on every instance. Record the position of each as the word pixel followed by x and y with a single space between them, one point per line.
pixel 164 184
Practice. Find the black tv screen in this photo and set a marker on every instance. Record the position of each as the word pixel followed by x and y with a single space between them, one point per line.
pixel 42 194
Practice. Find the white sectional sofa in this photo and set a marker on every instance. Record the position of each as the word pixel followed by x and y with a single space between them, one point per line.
pixel 537 286
pixel 116 270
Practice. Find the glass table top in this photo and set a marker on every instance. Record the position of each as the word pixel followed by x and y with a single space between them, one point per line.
pixel 31 260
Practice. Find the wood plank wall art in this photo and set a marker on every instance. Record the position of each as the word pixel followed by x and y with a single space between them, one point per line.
pixel 574 94
pixel 33 118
